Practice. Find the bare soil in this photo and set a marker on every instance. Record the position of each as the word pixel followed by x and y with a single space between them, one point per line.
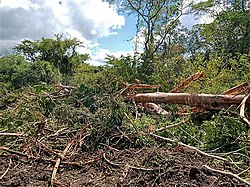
pixel 153 166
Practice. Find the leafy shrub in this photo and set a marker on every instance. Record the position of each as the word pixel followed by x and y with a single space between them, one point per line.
pixel 15 72
pixel 225 133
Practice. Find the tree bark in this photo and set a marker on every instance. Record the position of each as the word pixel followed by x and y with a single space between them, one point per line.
pixel 207 101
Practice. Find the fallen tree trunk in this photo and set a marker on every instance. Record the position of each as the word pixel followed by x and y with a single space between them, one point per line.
pixel 207 101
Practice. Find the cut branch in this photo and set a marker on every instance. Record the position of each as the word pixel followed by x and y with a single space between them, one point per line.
pixel 239 89
pixel 236 90
pixel 186 82
pixel 207 101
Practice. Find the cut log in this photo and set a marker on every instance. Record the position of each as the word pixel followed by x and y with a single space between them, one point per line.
pixel 207 101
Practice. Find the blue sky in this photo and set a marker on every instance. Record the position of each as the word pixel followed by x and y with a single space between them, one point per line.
pixel 94 22
pixel 122 40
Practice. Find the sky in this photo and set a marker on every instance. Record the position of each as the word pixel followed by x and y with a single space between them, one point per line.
pixel 94 22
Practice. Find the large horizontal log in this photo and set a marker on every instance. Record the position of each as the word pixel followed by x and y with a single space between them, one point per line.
pixel 208 101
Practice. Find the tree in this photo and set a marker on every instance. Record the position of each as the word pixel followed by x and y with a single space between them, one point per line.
pixel 157 25
pixel 229 33
pixel 60 52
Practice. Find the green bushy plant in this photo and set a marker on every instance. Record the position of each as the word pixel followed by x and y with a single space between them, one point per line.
pixel 15 72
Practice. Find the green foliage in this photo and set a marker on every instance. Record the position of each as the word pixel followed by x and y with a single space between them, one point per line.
pixel 225 133
pixel 89 75
pixel 228 34
pixel 61 53
pixel 20 110
pixel 220 34
pixel 15 72
pixel 123 69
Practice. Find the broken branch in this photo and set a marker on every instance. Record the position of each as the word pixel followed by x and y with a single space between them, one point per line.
pixel 236 90
pixel 154 108
pixel 186 82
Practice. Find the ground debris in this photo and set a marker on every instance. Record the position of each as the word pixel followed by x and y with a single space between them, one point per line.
pixel 153 166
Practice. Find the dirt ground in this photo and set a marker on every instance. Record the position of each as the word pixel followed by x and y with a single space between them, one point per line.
pixel 111 167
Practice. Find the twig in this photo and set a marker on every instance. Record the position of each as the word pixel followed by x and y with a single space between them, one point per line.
pixel 137 85
pixel 242 109
pixel 232 152
pixel 189 147
pixel 244 171
pixel 110 147
pixel 11 134
pixel 80 164
pixel 129 166
pixel 143 169
pixel 131 121
pixel 13 152
pixel 48 149
pixel 54 181
pixel 228 174
pixel 64 86
pixel 6 171
pixel 55 134
pixel 143 86
pixel 172 126
pixel 111 163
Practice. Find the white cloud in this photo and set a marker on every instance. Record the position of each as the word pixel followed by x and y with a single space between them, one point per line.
pixel 34 19
pixel 189 20
pixel 99 56
pixel 87 20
